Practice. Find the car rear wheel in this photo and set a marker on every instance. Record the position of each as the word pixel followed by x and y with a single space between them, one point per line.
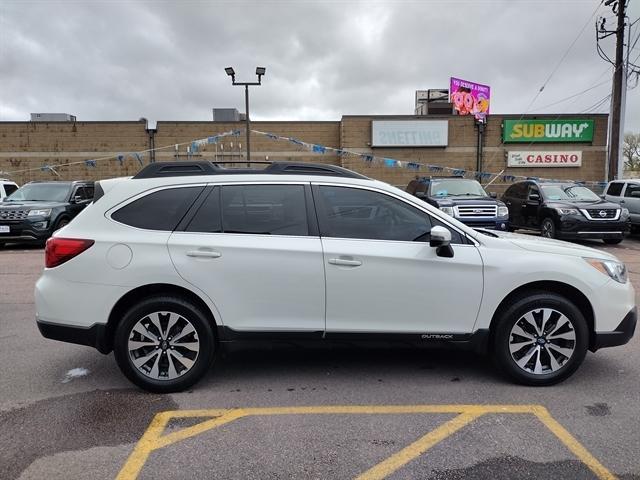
pixel 164 344
pixel 612 241
pixel 541 339
pixel 548 228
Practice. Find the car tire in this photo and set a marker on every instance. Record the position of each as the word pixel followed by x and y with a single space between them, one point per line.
pixel 612 241
pixel 176 350
pixel 548 228
pixel 62 222
pixel 540 339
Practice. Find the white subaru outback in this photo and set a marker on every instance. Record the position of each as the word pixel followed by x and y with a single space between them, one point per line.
pixel 166 267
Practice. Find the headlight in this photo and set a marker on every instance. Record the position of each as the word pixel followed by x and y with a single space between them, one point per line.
pixel 611 268
pixel 40 213
pixel 447 210
pixel 503 212
pixel 567 211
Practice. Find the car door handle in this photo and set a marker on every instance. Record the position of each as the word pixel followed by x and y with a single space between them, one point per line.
pixel 203 254
pixel 343 262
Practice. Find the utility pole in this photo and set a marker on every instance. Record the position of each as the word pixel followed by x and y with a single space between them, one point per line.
pixel 619 85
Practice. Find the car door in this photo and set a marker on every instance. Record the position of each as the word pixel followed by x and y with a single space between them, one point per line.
pixel 514 199
pixel 381 274
pixel 631 201
pixel 253 251
pixel 80 198
pixel 531 207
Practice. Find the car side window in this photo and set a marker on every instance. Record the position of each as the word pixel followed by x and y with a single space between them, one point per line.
pixel 632 187
pixel 9 189
pixel 346 212
pixel 208 219
pixel 615 189
pixel 533 190
pixel 161 210
pixel 264 209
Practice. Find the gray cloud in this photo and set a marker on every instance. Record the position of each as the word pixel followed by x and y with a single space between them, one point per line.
pixel 164 60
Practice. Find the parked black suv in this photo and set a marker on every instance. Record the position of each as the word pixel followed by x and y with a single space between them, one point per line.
pixel 37 209
pixel 565 210
pixel 464 199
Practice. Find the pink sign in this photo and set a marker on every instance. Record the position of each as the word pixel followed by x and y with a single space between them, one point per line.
pixel 470 98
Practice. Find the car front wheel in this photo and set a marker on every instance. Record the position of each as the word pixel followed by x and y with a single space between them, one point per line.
pixel 541 339
pixel 548 228
pixel 164 344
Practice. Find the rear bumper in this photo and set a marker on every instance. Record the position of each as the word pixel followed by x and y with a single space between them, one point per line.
pixel 620 336
pixel 94 336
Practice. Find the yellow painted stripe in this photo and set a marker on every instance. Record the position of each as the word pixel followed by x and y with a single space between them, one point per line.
pixel 144 447
pixel 194 430
pixel 390 409
pixel 572 444
pixel 417 448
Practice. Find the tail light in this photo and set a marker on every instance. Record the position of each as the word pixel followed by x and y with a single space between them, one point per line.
pixel 60 250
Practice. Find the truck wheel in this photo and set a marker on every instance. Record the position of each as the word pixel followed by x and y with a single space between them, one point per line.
pixel 164 344
pixel 540 339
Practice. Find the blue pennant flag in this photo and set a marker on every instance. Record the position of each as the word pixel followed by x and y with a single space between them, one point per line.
pixel 120 159
pixel 213 139
pixel 90 163
pixel 236 133
pixel 194 147
pixel 390 162
pixel 272 136
pixel 367 158
pixel 319 149
pixel 535 179
pixel 296 141
pixel 435 168
pixel 459 172
pixel 138 157
pixel 413 165
pixel 340 151
pixel 45 168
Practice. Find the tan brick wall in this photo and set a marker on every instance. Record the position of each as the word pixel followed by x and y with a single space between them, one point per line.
pixel 27 145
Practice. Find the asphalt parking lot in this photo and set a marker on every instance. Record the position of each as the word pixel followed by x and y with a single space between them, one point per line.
pixel 334 412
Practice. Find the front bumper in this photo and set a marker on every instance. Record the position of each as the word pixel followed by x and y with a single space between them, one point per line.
pixel 94 336
pixel 28 230
pixel 491 223
pixel 575 228
pixel 620 336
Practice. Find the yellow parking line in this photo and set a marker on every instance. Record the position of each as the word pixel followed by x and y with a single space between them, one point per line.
pixel 153 439
pixel 572 444
pixel 417 448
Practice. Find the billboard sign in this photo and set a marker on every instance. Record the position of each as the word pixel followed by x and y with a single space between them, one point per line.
pixel 538 158
pixel 409 133
pixel 470 98
pixel 549 131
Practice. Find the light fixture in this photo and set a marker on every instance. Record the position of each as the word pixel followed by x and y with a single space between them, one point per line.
pixel 230 71
pixel 260 71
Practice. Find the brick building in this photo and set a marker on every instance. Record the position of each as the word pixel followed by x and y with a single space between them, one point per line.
pixel 551 146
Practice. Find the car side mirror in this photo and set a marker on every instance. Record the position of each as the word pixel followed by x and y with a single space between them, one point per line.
pixel 76 199
pixel 440 239
pixel 493 194
pixel 534 197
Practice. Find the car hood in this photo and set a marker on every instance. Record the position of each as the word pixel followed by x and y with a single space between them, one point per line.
pixel 572 204
pixel 30 205
pixel 547 245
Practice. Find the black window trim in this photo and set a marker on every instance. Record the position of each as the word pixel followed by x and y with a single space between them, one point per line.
pixel 144 193
pixel 312 220
pixel 467 240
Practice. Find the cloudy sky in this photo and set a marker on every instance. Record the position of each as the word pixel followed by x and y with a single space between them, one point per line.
pixel 165 59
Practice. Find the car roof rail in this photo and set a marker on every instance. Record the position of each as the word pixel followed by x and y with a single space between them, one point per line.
pixel 183 169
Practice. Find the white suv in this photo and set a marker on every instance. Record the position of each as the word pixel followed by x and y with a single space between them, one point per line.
pixel 166 267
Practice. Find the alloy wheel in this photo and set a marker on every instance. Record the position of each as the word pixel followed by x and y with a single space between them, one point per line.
pixel 163 345
pixel 542 341
pixel 547 229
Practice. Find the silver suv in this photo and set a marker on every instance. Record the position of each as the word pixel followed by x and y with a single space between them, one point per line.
pixel 627 194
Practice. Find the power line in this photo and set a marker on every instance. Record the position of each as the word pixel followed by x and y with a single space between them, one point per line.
pixel 575 94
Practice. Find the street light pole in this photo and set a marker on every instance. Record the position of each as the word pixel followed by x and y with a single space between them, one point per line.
pixel 260 71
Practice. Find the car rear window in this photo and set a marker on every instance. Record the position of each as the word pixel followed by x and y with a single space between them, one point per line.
pixel 161 210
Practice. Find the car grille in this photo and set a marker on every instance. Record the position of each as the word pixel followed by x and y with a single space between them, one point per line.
pixel 476 211
pixel 13 214
pixel 602 213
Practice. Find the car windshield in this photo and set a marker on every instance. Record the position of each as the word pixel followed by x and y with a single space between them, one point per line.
pixel 456 188
pixel 576 193
pixel 44 192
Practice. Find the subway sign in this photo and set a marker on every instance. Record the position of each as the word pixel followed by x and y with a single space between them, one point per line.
pixel 549 131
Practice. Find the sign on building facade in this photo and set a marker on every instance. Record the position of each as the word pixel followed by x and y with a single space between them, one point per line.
pixel 549 131
pixel 544 159
pixel 409 133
